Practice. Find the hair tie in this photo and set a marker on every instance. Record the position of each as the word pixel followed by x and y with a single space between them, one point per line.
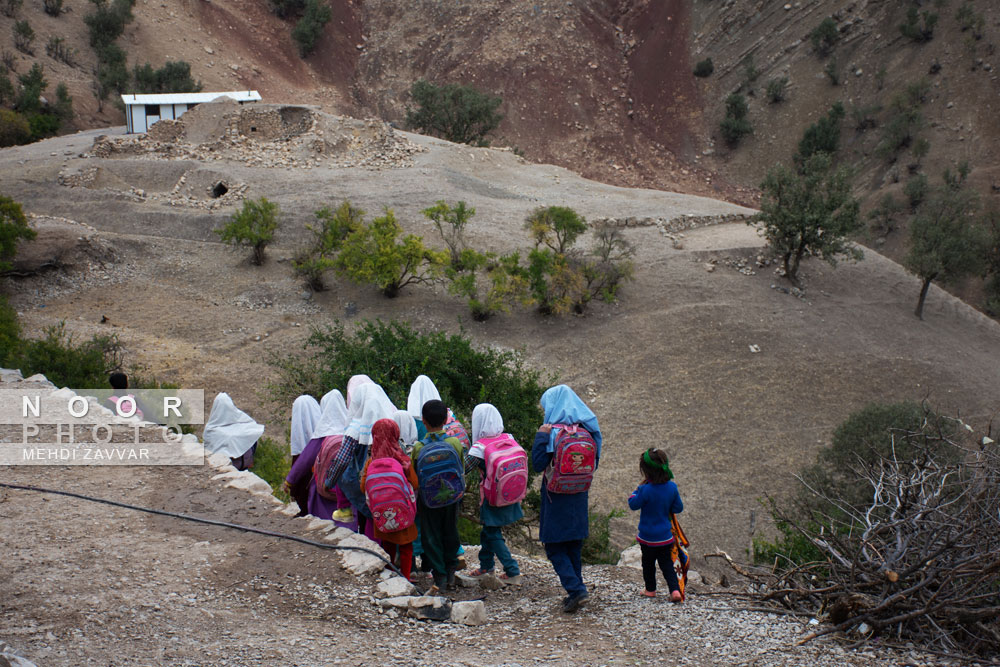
pixel 656 464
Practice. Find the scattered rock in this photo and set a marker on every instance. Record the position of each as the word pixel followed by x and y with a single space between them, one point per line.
pixel 395 587
pixel 472 612
pixel 429 608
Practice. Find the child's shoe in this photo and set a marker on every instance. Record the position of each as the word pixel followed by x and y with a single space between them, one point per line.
pixel 575 601
pixel 344 515
pixel 512 579
pixel 479 572
pixel 649 594
pixel 675 596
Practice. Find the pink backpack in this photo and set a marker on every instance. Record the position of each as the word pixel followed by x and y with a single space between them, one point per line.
pixel 390 496
pixel 454 429
pixel 574 460
pixel 328 451
pixel 126 403
pixel 506 478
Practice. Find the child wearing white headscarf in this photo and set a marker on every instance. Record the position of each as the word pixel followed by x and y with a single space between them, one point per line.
pixel 232 432
pixel 487 423
pixel 333 421
pixel 306 413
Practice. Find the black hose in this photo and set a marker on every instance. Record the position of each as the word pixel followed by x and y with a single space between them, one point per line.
pixel 196 519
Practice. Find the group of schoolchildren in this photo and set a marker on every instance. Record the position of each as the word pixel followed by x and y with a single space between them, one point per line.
pixel 398 476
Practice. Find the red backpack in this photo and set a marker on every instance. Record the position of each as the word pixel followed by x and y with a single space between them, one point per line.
pixel 454 429
pixel 328 451
pixel 573 461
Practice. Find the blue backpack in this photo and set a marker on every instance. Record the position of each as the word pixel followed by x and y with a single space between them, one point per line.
pixel 441 473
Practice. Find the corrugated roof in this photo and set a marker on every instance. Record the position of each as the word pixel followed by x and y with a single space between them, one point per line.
pixel 191 98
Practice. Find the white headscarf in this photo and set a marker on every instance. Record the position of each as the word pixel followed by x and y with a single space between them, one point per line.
pixel 354 383
pixel 333 421
pixel 305 415
pixel 421 391
pixel 486 423
pixel 407 427
pixel 368 405
pixel 229 430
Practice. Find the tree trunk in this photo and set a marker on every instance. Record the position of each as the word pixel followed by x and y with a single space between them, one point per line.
pixel 793 273
pixel 923 296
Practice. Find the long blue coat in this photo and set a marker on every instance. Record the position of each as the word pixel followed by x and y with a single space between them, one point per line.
pixel 564 516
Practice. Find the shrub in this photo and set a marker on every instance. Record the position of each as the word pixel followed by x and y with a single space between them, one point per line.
pixel 42 125
pixel 450 223
pixel 7 92
pixel 610 264
pixel 458 113
pixel 58 50
pixel 378 254
pixel 173 77
pixel 832 72
pixel 53 7
pixel 735 125
pixel 750 71
pixel 918 26
pixel 112 74
pixel 882 218
pixel 597 548
pixel 968 19
pixel 490 284
pixel 916 190
pixel 33 84
pixel 13 227
pixel 9 61
pixel 253 227
pixel 556 227
pixel 10 8
pixel 823 136
pixel 286 8
pixel 24 35
pixel 993 262
pixel 809 213
pixel 63 107
pixel 107 22
pixel 904 120
pixel 777 89
pixel 865 116
pixel 393 354
pixel 824 36
pixel 14 129
pixel 328 237
pixel 65 363
pixel 271 462
pixel 920 149
pixel 310 27
pixel 10 329
pixel 704 68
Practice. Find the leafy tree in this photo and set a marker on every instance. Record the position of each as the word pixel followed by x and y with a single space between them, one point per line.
pixel 610 264
pixel 107 22
pixel 173 77
pixel 450 223
pixel 63 107
pixel 919 26
pixel 916 191
pixel 33 84
pixel 13 226
pixel 777 89
pixel 310 27
pixel 808 213
pixel 556 227
pixel 24 35
pixel 378 254
pixel 824 36
pixel 490 284
pixel 112 73
pixel 458 113
pixel 328 237
pixel 945 242
pixel 704 68
pixel 905 119
pixel 14 129
pixel 823 136
pixel 253 227
pixel 735 125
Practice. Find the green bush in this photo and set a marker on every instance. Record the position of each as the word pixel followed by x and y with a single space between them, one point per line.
pixel 58 50
pixel 14 129
pixel 993 262
pixel 328 236
pixel 10 329
pixel 13 227
pixel 394 354
pixel 63 107
pixel 556 227
pixel 378 254
pixel 968 19
pixel 916 191
pixel 24 35
pixel 918 26
pixel 905 119
pixel 252 227
pixel 789 548
pixel 286 8
pixel 458 113
pixel 310 27
pixel 597 548
pixel 865 117
pixel 33 84
pixel 107 22
pixel 52 7
pixel 490 284
pixel 112 73
pixel 43 125
pixel 271 462
pixel 832 72
pixel 824 36
pixel 10 8
pixel 450 223
pixel 704 68
pixel 777 89
pixel 7 93
pixel 882 218
pixel 736 125
pixel 65 363
pixel 823 136
pixel 173 77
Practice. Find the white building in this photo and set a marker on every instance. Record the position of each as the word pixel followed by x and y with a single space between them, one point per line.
pixel 141 111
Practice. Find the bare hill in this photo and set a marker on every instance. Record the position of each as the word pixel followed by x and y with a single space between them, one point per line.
pixel 670 364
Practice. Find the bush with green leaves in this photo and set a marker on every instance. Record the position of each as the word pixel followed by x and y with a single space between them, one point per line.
pixel 24 35
pixel 107 22
pixel 823 136
pixel 597 547
pixel 777 89
pixel 904 120
pixel 64 362
pixel 865 116
pixel 969 19
pixel 946 241
pixel 490 284
pixel 808 212
pixel 173 77
pixel 704 68
pixel 287 8
pixel 112 74
pixel 450 221
pixel 309 28
pixel 736 124
pixel 993 261
pixel 916 191
pixel 14 129
pixel 253 226
pixel 57 49
pixel 333 226
pixel 7 93
pixel 750 71
pixel 10 8
pixel 33 84
pixel 609 265
pixel 53 7
pixel 379 254
pixel 394 354
pixel 918 26
pixel 882 218
pixel 824 36
pixel 455 112
pixel 13 227
pixel 832 71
